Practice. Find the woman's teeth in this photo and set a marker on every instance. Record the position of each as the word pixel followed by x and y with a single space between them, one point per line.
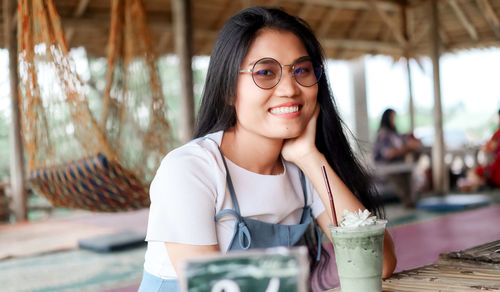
pixel 285 110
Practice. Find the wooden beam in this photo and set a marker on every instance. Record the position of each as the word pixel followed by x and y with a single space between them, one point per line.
pixel 355 30
pixel 386 34
pixel 156 23
pixel 351 4
pixel 273 3
pixel 327 21
pixel 17 175
pixel 423 29
pixel 181 11
pixel 445 39
pixel 163 42
pixel 358 27
pixel 490 16
pixel 398 35
pixel 248 3
pixel 388 48
pixel 469 27
pixel 439 172
pixel 230 9
pixel 81 8
pixel 411 107
pixel 410 22
pixel 360 107
pixel 305 11
pixel 68 35
pixel 79 11
pixel 103 20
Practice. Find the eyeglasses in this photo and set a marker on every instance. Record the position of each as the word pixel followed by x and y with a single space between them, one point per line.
pixel 267 72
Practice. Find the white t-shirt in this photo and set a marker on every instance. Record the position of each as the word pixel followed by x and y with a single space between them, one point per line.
pixel 190 188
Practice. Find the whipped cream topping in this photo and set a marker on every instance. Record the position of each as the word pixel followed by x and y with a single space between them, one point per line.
pixel 356 219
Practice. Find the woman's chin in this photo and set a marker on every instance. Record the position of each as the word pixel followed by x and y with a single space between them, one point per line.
pixel 290 134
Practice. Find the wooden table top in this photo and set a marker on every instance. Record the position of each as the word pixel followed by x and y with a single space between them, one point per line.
pixel 473 269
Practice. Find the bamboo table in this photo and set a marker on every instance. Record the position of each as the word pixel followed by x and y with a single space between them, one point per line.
pixel 473 269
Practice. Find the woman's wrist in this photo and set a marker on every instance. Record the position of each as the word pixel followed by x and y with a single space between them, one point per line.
pixel 310 159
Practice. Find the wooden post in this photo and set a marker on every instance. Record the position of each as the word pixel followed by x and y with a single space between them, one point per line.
pixel 17 179
pixel 407 25
pixel 439 171
pixel 411 108
pixel 181 12
pixel 357 68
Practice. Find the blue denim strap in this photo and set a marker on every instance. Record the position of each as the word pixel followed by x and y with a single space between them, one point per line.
pixel 228 178
pixel 240 228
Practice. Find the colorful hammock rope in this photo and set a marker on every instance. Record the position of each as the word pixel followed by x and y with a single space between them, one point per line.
pixel 93 183
pixel 76 160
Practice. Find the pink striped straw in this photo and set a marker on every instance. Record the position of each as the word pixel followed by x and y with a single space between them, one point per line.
pixel 327 183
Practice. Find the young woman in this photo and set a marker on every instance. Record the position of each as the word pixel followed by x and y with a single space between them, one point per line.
pixel 253 177
pixel 391 146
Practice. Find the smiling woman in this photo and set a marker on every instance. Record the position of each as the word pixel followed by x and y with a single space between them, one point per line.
pixel 252 178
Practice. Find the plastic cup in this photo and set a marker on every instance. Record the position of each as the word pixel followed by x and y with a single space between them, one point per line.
pixel 359 253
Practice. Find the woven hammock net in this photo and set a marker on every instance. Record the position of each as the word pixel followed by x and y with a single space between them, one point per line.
pixel 103 159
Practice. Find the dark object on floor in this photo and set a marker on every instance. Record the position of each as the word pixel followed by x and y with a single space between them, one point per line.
pixel 113 242
pixel 453 202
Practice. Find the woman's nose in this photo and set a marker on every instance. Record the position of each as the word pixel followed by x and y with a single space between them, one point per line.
pixel 287 86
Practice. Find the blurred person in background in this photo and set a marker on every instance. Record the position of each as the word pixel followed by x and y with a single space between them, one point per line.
pixel 489 173
pixel 390 148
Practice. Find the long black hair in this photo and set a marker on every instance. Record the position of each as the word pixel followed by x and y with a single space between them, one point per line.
pixel 218 113
pixel 385 121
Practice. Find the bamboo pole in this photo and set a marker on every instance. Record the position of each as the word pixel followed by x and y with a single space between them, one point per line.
pixel 358 74
pixel 439 172
pixel 183 46
pixel 17 177
pixel 411 106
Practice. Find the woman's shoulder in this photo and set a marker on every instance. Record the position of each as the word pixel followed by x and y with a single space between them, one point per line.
pixel 384 131
pixel 196 153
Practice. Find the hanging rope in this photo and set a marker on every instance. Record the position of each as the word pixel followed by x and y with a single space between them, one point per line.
pixel 74 160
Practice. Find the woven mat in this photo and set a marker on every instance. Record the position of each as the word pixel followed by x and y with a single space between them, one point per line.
pixel 25 239
pixel 444 278
pixel 488 253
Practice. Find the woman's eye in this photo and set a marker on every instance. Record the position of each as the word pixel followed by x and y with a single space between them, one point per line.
pixel 301 71
pixel 264 72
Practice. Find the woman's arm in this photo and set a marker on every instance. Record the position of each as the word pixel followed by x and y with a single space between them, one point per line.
pixel 303 152
pixel 183 195
pixel 178 252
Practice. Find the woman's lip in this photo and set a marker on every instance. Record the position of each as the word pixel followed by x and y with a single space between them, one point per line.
pixel 287 104
pixel 296 109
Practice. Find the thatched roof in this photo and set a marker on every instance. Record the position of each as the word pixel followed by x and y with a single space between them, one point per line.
pixel 346 28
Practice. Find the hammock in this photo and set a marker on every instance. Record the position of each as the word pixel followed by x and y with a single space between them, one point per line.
pixel 101 159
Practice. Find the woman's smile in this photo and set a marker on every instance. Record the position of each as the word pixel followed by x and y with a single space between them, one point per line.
pixel 286 110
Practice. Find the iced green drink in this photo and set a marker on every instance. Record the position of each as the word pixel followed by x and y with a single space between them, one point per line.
pixel 358 253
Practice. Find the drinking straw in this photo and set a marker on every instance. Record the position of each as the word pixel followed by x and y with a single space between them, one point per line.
pixel 327 183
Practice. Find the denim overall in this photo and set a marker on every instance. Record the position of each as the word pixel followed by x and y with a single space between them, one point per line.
pixel 248 233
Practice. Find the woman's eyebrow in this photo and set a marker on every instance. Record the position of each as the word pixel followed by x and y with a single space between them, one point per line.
pixel 305 57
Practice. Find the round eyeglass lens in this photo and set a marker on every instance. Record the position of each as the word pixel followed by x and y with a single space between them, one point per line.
pixel 266 73
pixel 306 74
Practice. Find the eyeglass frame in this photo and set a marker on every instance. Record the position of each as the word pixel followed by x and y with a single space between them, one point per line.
pixel 301 59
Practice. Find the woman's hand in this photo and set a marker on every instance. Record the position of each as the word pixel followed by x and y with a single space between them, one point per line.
pixel 297 148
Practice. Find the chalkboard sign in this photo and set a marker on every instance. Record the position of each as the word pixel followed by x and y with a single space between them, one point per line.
pixel 268 270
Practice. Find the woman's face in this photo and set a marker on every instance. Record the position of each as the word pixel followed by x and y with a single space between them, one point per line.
pixel 283 111
pixel 392 119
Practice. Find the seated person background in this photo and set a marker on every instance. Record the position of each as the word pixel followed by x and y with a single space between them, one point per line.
pixel 392 147
pixel 488 174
